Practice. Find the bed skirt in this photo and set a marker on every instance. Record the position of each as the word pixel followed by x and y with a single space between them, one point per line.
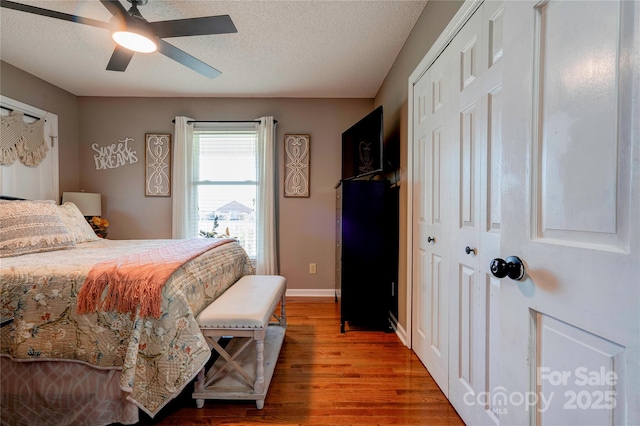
pixel 62 393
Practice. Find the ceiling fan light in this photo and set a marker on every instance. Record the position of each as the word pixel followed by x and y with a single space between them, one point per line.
pixel 135 41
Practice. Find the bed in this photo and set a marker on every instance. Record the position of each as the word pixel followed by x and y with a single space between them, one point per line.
pixel 97 363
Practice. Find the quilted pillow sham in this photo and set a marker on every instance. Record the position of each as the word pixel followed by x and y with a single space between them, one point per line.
pixel 32 227
pixel 76 223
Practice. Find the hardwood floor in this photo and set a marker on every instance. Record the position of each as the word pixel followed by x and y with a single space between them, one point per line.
pixel 324 377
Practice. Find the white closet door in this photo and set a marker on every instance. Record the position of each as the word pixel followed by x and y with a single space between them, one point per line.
pixel 474 304
pixel 432 123
pixel 34 183
pixel 457 159
pixel 489 314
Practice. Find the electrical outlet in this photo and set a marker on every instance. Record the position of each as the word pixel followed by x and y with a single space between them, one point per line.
pixel 313 268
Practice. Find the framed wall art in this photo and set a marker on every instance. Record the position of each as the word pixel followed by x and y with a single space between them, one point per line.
pixel 296 180
pixel 157 172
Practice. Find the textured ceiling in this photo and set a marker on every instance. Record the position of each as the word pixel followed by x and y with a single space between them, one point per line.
pixel 301 48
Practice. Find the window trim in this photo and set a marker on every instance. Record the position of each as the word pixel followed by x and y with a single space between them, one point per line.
pixel 222 130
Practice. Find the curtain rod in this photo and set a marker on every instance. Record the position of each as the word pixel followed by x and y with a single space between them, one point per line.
pixel 24 113
pixel 220 121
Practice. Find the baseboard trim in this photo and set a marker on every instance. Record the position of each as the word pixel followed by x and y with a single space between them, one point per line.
pixel 402 335
pixel 312 292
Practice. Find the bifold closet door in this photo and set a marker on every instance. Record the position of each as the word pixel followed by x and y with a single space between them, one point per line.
pixel 457 322
pixel 474 327
pixel 432 135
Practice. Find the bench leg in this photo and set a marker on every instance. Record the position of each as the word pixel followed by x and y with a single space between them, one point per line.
pixel 283 311
pixel 258 387
pixel 282 316
pixel 199 387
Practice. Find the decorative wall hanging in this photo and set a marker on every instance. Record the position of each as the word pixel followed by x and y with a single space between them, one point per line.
pixel 158 165
pixel 297 151
pixel 20 140
pixel 114 155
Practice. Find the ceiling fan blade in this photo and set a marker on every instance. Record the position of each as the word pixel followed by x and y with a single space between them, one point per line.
pixel 187 60
pixel 194 26
pixel 53 14
pixel 120 59
pixel 115 7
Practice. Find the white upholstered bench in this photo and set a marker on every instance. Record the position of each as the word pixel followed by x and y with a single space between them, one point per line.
pixel 245 366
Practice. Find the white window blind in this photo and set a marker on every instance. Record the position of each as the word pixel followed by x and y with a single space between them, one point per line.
pixel 225 182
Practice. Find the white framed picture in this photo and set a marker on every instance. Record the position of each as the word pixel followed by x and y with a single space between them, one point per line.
pixel 157 175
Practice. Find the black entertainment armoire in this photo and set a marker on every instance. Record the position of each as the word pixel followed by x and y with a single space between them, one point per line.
pixel 367 254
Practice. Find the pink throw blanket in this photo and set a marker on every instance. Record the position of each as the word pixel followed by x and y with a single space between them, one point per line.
pixel 136 280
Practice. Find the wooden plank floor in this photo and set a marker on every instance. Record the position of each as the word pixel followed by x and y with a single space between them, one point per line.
pixel 324 377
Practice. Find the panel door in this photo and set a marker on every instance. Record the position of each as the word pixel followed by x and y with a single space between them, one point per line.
pixel 476 140
pixel 432 128
pixel 570 209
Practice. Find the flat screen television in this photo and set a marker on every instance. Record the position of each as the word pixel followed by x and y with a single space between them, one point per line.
pixel 362 146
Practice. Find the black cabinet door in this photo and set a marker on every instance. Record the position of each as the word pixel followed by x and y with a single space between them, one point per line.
pixel 367 259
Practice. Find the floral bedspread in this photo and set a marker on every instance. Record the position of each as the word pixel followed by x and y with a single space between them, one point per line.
pixel 158 357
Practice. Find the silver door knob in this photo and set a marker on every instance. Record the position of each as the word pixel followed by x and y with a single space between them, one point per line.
pixel 511 267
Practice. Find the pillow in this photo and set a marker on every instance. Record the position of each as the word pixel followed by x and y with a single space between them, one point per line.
pixel 31 227
pixel 76 223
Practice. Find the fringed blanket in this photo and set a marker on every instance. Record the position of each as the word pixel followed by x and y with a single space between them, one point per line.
pixel 136 280
pixel 21 140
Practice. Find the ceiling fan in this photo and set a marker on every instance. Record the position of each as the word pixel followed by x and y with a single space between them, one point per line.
pixel 133 33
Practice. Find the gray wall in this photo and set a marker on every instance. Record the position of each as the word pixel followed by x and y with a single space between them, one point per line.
pixel 306 225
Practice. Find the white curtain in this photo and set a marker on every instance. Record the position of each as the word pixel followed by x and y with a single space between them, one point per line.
pixel 184 198
pixel 267 255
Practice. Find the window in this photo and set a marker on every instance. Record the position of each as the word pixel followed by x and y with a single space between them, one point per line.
pixel 225 182
pixel 233 184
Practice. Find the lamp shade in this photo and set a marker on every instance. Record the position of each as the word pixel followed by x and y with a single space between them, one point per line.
pixel 89 203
